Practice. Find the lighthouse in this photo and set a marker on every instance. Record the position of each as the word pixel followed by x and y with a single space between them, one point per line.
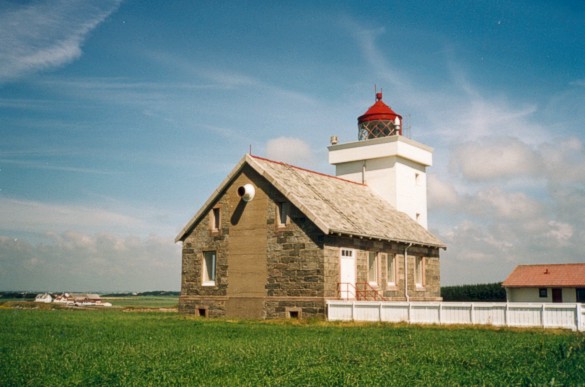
pixel 392 165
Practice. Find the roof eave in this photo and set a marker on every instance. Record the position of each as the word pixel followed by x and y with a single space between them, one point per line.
pixel 208 203
pixel 384 238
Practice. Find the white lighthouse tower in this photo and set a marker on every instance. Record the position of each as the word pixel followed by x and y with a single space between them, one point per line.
pixel 392 165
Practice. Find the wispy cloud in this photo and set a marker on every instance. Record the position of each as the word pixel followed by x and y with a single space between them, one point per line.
pixel 41 35
pixel 39 217
pixel 507 190
pixel 29 164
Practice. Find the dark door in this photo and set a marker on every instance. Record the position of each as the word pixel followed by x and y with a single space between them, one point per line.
pixel 557 295
pixel 581 295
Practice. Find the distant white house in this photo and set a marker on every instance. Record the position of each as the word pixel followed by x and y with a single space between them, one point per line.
pixel 64 298
pixel 44 297
pixel 77 299
pixel 546 283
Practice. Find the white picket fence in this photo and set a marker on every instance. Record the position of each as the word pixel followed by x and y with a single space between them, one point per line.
pixel 545 315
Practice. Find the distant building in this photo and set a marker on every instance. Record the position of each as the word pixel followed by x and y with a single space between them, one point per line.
pixel 44 297
pixel 546 283
pixel 80 299
pixel 276 241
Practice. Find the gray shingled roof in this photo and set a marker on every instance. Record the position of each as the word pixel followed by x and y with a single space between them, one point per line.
pixel 336 206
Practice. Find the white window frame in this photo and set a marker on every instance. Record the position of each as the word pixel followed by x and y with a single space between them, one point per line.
pixel 391 269
pixel 215 219
pixel 419 272
pixel 208 276
pixel 372 277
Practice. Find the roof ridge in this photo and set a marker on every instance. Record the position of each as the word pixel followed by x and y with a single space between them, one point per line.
pixel 306 170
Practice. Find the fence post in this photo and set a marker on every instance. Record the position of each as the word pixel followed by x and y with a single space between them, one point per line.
pixel 353 311
pixel 506 315
pixel 380 312
pixel 542 315
pixel 440 313
pixel 578 316
pixel 409 313
pixel 472 312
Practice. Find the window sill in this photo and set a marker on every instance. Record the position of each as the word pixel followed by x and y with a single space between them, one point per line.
pixel 420 289
pixel 208 283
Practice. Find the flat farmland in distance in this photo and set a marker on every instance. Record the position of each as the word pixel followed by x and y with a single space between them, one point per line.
pixel 143 301
pixel 112 347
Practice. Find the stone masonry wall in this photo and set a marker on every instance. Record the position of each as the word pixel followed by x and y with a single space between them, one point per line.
pixel 431 290
pixel 295 263
pixel 194 296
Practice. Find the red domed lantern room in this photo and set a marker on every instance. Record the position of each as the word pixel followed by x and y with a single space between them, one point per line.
pixel 379 121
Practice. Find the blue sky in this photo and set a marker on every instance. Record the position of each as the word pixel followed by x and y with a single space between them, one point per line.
pixel 118 119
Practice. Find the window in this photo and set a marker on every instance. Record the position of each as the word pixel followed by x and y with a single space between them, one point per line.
pixel 372 268
pixel 581 295
pixel 391 269
pixel 282 214
pixel 209 261
pixel 419 272
pixel 215 219
pixel 543 293
pixel 346 253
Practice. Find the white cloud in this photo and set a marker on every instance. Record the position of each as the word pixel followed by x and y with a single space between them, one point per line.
pixel 564 160
pixel 38 218
pixel 34 216
pixel 289 150
pixel 74 261
pixel 494 203
pixel 560 232
pixel 441 193
pixel 41 35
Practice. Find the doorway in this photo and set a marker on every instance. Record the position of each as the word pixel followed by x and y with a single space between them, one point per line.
pixel 557 295
pixel 347 274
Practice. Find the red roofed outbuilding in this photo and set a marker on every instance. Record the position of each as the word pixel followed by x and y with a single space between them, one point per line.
pixel 546 283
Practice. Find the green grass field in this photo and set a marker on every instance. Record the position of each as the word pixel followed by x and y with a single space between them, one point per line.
pixel 114 347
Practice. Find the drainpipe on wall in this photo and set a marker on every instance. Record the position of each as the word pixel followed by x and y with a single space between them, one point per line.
pixel 406 271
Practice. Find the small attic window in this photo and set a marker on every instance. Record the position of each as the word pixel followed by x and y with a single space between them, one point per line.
pixel 282 213
pixel 215 218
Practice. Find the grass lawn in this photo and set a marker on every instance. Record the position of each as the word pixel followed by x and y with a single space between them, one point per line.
pixel 113 347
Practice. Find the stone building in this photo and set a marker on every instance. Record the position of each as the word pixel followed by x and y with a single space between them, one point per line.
pixel 277 241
